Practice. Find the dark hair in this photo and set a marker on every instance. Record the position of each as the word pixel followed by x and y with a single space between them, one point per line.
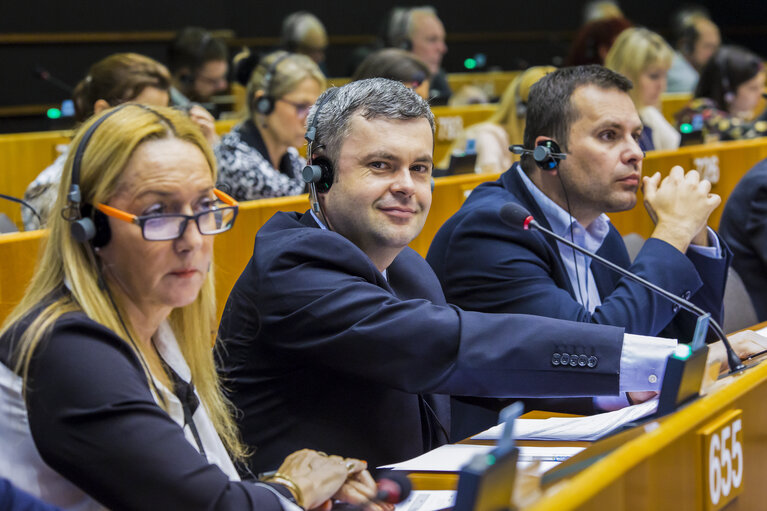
pixel 550 111
pixel 591 37
pixel 193 47
pixel 730 67
pixel 117 79
pixel 394 64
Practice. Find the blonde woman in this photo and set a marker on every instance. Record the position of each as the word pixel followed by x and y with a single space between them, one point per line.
pixel 492 138
pixel 258 158
pixel 108 388
pixel 644 57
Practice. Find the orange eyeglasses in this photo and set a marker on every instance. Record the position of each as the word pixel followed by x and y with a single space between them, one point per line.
pixel 171 226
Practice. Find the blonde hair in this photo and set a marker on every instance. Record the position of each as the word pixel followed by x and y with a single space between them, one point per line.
pixel 291 70
pixel 635 50
pixel 514 100
pixel 65 260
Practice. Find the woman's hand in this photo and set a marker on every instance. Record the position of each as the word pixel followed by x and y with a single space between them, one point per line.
pixel 320 477
pixel 206 122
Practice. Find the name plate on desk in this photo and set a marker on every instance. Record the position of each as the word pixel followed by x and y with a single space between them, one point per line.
pixel 722 454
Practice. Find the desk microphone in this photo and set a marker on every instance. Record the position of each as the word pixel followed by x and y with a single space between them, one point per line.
pixel 393 488
pixel 46 76
pixel 514 215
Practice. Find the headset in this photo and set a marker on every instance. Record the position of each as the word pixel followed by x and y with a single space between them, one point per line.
pixel 546 154
pixel 87 224
pixel 398 28
pixel 318 173
pixel 264 105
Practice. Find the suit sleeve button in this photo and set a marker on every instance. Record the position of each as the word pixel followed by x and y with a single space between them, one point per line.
pixel 555 359
pixel 592 361
pixel 573 360
pixel 583 360
pixel 565 359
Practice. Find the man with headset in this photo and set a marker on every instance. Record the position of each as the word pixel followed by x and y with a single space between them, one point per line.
pixel 697 39
pixel 337 336
pixel 584 127
pixel 199 64
pixel 419 30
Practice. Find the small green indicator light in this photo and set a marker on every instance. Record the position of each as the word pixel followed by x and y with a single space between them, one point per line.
pixel 682 352
pixel 490 459
pixel 470 63
pixel 685 128
pixel 53 113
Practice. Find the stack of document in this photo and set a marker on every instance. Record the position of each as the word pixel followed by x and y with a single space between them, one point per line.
pixel 451 458
pixel 590 428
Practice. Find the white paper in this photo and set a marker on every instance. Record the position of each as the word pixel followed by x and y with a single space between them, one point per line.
pixel 448 458
pixel 589 428
pixel 431 500
pixel 451 458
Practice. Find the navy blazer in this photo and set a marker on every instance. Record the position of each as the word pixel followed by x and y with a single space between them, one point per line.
pixel 744 227
pixel 320 350
pixel 485 265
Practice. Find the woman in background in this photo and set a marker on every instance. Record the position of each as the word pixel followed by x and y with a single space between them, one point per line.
pixel 258 158
pixel 491 139
pixel 114 80
pixel 727 96
pixel 644 57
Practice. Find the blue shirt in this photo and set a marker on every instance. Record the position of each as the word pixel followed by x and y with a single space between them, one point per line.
pixel 643 358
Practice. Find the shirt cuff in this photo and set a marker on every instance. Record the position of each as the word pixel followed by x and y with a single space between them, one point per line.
pixel 714 250
pixel 643 362
pixel 611 403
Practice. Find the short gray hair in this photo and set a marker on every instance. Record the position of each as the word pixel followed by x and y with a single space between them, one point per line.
pixel 374 98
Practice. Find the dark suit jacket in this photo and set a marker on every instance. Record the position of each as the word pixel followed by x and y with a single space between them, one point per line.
pixel 485 265
pixel 320 350
pixel 744 227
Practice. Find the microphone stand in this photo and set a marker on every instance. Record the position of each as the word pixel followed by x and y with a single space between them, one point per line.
pixel 733 360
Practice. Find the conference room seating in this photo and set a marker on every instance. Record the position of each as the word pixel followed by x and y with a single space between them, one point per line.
pixel 23 156
pixel 724 163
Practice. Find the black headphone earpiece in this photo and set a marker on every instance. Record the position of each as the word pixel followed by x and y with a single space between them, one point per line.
pixel 102 233
pixel 319 172
pixel 265 104
pixel 546 154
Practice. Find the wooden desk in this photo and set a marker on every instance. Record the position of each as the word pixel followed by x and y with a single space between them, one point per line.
pixel 663 466
pixel 673 102
pixel 22 157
